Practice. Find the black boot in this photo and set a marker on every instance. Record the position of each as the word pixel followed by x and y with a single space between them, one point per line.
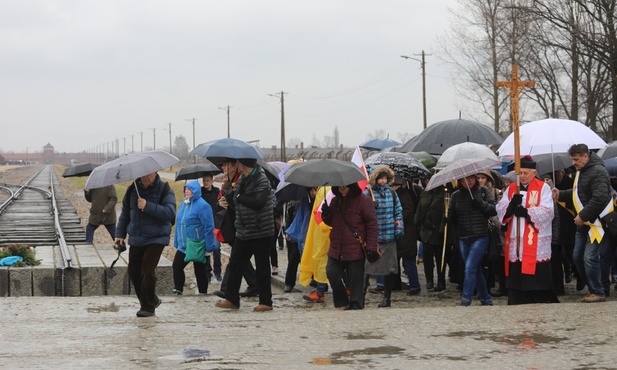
pixel 429 284
pixel 385 302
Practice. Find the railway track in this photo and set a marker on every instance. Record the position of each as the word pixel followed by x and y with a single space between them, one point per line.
pixel 37 213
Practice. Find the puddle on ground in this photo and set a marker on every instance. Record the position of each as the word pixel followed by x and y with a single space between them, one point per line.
pixel 357 356
pixel 188 354
pixel 352 336
pixel 528 340
pixel 195 352
pixel 111 308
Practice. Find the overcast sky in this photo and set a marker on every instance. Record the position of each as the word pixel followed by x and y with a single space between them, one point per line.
pixel 80 74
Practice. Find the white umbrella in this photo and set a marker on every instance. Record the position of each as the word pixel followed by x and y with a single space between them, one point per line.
pixel 129 167
pixel 551 136
pixel 464 151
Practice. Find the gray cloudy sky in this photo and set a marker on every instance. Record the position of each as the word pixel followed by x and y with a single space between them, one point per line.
pixel 80 74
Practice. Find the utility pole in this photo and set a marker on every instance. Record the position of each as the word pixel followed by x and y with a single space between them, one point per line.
pixel 154 134
pixel 423 64
pixel 142 140
pixel 228 129
pixel 193 119
pixel 132 143
pixel 282 96
pixel 170 151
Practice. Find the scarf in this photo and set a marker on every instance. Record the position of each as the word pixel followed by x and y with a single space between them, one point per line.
pixel 530 235
pixel 596 231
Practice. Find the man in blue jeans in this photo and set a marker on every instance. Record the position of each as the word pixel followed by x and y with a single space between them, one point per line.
pixel 591 199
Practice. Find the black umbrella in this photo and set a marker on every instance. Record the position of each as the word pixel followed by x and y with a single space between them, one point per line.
pixel 402 164
pixel 287 191
pixel 320 172
pixel 439 136
pixel 197 171
pixel 83 169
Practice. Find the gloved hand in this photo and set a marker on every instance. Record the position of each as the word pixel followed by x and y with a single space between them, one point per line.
pixel 223 202
pixel 521 212
pixel 325 208
pixel 477 203
pixel 371 256
pixel 398 237
pixel 376 204
pixel 444 221
pixel 517 200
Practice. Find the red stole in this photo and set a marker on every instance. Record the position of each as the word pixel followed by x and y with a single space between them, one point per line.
pixel 530 237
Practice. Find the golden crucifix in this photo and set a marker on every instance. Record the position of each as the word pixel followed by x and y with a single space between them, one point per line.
pixel 514 88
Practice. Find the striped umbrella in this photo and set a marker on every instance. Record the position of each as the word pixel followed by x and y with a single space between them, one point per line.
pixel 461 169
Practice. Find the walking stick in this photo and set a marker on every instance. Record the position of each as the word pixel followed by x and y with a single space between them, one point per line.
pixel 446 203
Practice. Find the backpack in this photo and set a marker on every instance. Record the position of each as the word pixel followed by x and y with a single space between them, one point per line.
pixel 166 189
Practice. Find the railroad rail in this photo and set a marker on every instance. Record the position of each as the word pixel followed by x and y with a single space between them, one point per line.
pixel 37 213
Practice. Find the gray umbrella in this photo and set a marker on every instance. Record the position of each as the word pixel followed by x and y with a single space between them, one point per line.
pixel 129 167
pixel 439 136
pixel 197 171
pixel 83 169
pixel 319 172
pixel 548 162
pixel 608 151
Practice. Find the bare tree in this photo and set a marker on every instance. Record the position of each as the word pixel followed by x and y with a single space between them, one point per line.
pixel 181 148
pixel 377 134
pixel 294 142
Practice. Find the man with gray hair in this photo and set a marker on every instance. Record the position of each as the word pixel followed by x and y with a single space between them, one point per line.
pixel 591 199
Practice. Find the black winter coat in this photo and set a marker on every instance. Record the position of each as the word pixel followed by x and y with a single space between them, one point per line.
pixel 254 206
pixel 593 188
pixel 468 219
pixel 407 246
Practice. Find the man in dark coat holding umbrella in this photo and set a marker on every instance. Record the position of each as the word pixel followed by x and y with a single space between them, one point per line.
pixel 254 229
pixel 147 214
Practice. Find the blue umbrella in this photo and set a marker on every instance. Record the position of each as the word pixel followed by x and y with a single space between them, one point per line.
pixel 227 148
pixel 379 144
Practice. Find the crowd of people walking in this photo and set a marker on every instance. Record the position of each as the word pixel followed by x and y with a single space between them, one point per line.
pixel 484 234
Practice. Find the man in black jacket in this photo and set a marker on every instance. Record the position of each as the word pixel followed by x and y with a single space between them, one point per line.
pixel 254 229
pixel 591 199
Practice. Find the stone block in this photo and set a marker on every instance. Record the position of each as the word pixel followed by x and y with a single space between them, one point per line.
pixel 116 282
pixel 165 277
pixel 43 275
pixel 4 281
pixel 92 270
pixel 68 280
pixel 20 281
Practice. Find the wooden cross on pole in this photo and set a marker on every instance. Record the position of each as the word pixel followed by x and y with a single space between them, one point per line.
pixel 514 88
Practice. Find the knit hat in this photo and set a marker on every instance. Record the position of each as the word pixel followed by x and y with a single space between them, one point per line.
pixel 248 162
